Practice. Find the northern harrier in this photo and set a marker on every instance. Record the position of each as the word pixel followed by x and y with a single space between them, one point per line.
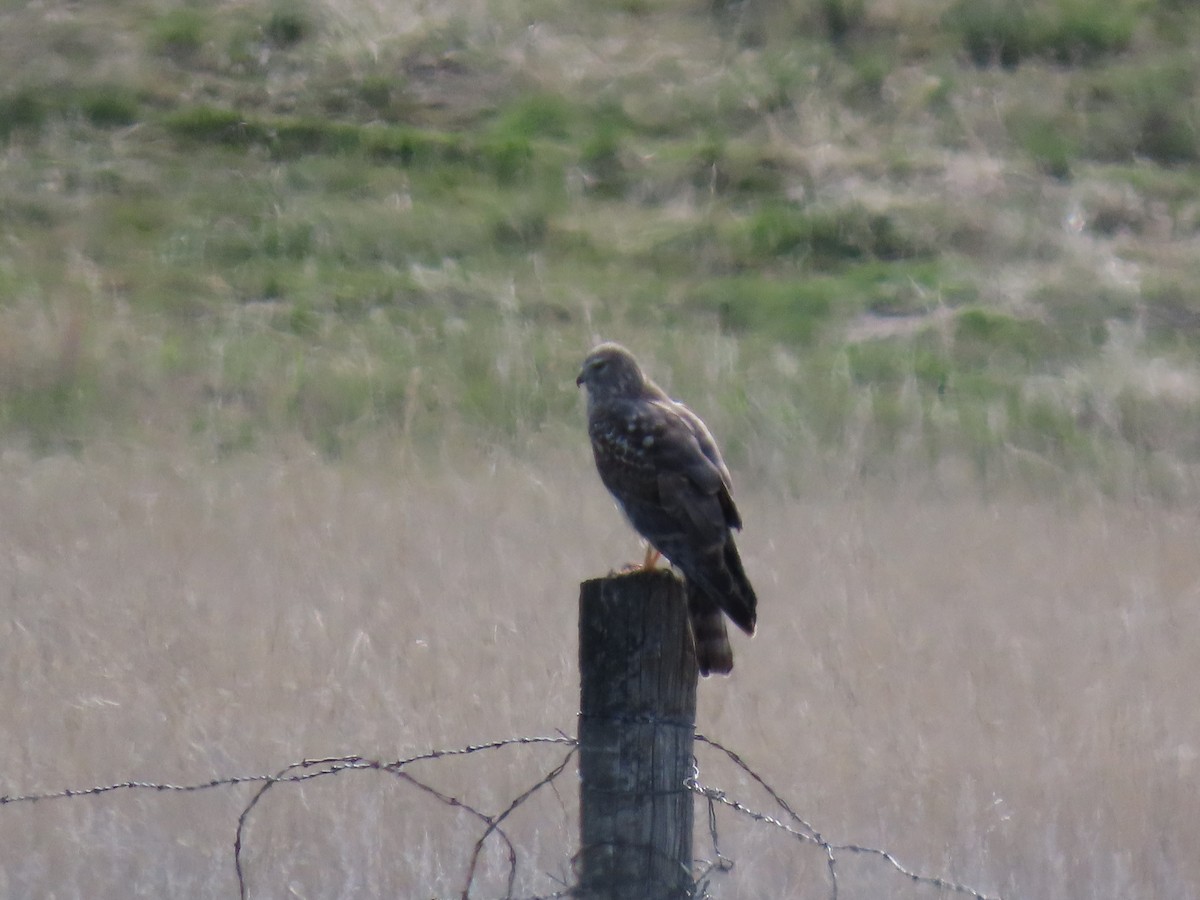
pixel 662 465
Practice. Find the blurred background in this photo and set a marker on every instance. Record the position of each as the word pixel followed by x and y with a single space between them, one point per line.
pixel 292 461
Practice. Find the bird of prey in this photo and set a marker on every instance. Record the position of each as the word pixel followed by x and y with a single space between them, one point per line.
pixel 658 459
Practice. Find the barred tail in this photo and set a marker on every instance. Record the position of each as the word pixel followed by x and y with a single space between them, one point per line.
pixel 713 651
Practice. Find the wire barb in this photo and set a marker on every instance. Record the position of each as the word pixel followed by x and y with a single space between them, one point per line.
pixel 308 769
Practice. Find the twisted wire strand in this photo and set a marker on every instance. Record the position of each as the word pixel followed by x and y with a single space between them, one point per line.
pixel 308 769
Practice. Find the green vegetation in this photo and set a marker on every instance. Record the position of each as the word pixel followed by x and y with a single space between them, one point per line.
pixel 995 32
pixel 913 232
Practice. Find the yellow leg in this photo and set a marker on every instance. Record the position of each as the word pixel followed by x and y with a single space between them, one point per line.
pixel 652 557
pixel 648 562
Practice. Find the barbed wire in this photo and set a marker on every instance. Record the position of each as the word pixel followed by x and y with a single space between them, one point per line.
pixel 309 769
pixel 809 834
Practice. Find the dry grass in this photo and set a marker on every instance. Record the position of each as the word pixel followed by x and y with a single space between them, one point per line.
pixel 996 689
pixel 1001 691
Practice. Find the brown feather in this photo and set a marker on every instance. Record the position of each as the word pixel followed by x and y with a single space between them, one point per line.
pixel 711 639
pixel 661 463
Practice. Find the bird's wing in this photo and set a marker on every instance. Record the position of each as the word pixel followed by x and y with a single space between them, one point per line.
pixel 707 471
pixel 691 483
pixel 658 454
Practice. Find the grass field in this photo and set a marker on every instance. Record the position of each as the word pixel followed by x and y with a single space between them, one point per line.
pixel 292 297
pixel 243 222
pixel 998 691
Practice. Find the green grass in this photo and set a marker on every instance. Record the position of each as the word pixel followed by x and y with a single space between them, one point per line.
pixel 292 299
pixel 266 201
pixel 287 25
pixel 1065 31
pixel 180 33
pixel 1144 110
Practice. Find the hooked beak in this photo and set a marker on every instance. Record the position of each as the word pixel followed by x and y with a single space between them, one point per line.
pixel 579 379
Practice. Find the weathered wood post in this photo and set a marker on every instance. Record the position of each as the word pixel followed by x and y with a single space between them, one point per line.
pixel 637 718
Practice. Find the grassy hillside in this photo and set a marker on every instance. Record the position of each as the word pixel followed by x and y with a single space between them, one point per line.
pixel 292 298
pixel 891 236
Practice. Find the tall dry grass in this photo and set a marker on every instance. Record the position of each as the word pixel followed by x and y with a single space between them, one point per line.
pixel 1001 690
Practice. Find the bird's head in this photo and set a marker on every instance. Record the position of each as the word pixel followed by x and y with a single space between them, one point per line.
pixel 610 372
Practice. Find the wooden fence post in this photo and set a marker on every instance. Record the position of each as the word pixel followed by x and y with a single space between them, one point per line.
pixel 637 719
